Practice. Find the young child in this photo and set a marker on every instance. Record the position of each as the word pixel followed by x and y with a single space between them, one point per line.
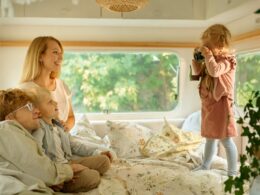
pixel 215 65
pixel 59 146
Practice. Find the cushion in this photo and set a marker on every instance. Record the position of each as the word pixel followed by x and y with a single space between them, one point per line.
pixel 83 127
pixel 127 138
pixel 84 133
pixel 192 122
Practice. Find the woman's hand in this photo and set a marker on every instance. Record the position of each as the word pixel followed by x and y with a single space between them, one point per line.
pixel 108 154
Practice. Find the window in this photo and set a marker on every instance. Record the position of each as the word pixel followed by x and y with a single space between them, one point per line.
pixel 247 76
pixel 122 81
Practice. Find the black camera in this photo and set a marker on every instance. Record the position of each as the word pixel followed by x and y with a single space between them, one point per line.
pixel 198 56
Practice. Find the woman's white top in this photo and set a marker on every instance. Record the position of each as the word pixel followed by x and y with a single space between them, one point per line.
pixel 61 94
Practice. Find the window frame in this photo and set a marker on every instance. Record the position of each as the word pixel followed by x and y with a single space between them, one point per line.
pixel 242 52
pixel 134 115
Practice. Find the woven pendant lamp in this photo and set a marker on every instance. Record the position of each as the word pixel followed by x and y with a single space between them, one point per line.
pixel 122 5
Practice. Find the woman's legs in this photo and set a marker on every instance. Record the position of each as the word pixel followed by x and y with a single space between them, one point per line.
pixel 231 152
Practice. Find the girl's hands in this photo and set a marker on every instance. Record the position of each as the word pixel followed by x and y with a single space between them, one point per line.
pixel 196 67
pixel 205 51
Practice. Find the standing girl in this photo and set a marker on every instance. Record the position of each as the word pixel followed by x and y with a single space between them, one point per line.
pixel 216 69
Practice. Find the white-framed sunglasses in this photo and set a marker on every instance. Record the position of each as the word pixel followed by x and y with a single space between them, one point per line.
pixel 29 106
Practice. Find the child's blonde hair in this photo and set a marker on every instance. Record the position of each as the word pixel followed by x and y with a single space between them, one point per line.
pixel 37 94
pixel 12 99
pixel 217 34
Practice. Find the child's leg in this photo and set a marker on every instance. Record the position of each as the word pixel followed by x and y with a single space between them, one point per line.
pixel 84 181
pixel 231 152
pixel 100 163
pixel 209 152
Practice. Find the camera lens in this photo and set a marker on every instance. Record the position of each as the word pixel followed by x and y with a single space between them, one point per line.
pixel 198 56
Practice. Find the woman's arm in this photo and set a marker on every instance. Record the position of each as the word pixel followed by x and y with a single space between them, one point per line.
pixel 71 119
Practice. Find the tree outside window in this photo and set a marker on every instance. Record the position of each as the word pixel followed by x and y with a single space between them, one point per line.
pixel 247 76
pixel 122 81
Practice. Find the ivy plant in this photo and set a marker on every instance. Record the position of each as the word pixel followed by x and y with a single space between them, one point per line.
pixel 250 164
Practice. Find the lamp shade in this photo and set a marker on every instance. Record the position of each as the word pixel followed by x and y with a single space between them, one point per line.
pixel 122 5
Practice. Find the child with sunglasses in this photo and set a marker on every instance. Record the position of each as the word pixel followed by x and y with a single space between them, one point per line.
pixel 22 161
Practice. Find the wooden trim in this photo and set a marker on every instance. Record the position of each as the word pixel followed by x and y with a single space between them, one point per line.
pixel 236 39
pixel 129 44
pixel 246 36
pixel 14 43
pixel 107 44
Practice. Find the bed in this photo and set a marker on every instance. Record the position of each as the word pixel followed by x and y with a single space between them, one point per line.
pixel 156 161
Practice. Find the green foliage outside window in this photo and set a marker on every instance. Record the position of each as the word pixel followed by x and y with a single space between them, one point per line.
pixel 247 76
pixel 122 82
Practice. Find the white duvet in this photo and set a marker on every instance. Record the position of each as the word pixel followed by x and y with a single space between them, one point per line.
pixel 166 170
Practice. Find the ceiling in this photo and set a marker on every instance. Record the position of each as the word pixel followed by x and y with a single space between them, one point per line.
pixel 159 20
pixel 154 10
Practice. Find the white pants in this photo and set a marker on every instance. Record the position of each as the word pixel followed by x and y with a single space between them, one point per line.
pixel 231 152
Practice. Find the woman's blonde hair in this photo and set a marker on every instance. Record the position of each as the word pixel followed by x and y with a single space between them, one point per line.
pixel 32 67
pixel 217 34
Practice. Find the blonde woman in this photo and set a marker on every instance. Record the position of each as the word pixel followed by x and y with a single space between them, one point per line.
pixel 42 68
pixel 215 64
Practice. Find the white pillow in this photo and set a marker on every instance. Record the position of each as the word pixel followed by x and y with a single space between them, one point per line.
pixel 83 127
pixel 83 132
pixel 127 138
pixel 86 131
pixel 192 122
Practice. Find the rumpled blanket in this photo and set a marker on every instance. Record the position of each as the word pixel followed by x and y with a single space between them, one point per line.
pixel 170 141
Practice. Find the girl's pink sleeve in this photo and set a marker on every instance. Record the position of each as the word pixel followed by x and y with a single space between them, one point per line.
pixel 215 69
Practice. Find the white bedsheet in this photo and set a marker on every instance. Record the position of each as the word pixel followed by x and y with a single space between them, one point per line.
pixel 159 177
pixel 168 173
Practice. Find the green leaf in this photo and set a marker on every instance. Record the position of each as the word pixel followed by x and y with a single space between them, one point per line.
pixel 258 102
pixel 240 120
pixel 228 184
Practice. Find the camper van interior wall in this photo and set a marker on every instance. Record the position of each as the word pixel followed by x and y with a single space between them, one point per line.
pixel 122 5
pixel 25 1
